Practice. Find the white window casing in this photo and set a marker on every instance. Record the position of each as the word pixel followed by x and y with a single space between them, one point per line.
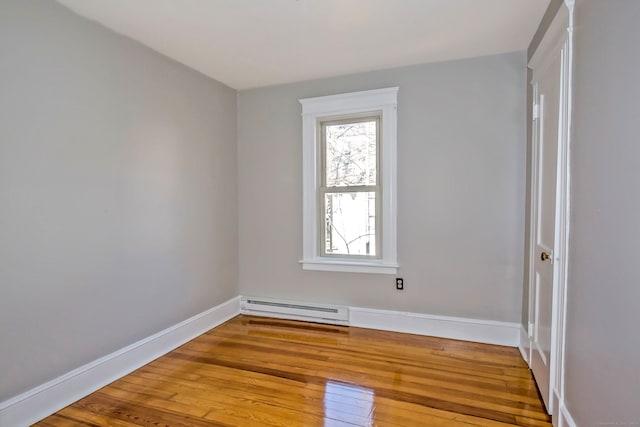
pixel 381 102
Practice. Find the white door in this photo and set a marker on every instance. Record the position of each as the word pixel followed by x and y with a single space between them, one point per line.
pixel 547 87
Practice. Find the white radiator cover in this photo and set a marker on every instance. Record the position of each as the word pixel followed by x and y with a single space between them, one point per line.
pixel 319 313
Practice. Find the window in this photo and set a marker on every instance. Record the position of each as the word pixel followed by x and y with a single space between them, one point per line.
pixel 349 174
pixel 349 187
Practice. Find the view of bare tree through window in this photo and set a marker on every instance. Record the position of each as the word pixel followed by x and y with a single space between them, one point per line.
pixel 350 177
pixel 351 154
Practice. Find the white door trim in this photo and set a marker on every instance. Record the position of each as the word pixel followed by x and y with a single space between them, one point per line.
pixel 558 37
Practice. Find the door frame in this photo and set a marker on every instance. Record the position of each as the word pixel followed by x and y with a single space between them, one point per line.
pixel 559 36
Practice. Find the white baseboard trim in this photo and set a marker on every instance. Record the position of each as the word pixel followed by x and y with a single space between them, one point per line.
pixel 524 344
pixel 565 418
pixel 42 401
pixel 561 416
pixel 459 328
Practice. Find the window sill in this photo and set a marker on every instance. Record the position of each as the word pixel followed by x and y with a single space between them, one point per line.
pixel 349 266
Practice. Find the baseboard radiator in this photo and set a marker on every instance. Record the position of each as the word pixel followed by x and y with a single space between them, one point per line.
pixel 319 313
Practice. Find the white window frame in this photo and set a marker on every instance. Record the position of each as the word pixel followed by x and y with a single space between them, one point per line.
pixel 379 101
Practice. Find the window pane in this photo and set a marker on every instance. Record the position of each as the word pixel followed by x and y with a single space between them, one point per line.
pixel 351 154
pixel 350 223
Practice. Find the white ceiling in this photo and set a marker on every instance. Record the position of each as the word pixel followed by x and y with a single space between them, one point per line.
pixel 252 43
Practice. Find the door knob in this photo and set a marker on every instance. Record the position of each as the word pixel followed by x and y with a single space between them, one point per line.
pixel 544 256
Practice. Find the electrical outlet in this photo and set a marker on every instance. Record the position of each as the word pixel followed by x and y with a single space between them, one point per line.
pixel 399 283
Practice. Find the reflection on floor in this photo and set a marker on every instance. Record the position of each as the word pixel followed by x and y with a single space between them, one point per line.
pixel 341 398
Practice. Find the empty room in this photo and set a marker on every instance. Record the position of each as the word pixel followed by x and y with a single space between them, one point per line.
pixel 319 213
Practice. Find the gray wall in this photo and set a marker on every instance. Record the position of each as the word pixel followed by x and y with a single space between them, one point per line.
pixel 461 181
pixel 603 344
pixel 545 22
pixel 118 209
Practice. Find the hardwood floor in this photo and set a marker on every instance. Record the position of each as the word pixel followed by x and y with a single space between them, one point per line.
pixel 255 371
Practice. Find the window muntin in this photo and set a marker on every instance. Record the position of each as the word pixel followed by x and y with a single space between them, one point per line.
pixel 349 193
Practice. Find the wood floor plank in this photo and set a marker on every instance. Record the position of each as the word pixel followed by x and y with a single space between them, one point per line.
pixel 423 377
pixel 79 417
pixel 498 409
pixel 254 371
pixel 318 396
pixel 437 361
